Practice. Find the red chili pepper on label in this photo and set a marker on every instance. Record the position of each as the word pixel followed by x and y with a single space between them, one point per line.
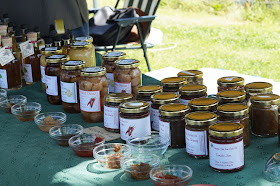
pixel 129 131
pixel 123 91
pixel 91 102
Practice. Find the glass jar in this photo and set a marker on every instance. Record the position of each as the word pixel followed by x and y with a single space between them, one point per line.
pixel 203 104
pixel 279 125
pixel 83 51
pixel 144 93
pixel 197 133
pixel 231 96
pixel 70 78
pixel 226 149
pixel 189 92
pixel 158 100
pixel 236 113
pixel 230 83
pixel 172 84
pixel 264 115
pixel 93 89
pixel 111 110
pixel 127 76
pixel 172 123
pixel 134 120
pixel 255 88
pixel 66 44
pixel 193 77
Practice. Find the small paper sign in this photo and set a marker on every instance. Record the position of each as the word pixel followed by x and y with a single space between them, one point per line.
pixel 27 49
pixel 6 56
pixel 109 136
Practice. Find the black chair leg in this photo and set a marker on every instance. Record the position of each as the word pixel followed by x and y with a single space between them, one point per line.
pixel 117 38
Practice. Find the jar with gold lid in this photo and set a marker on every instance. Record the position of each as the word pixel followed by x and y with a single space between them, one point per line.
pixel 158 100
pixel 134 120
pixel 172 123
pixel 264 115
pixel 231 96
pixel 197 132
pixel 226 149
pixel 145 92
pixel 172 84
pixel 255 88
pixel 236 113
pixel 93 88
pixel 203 104
pixel 111 110
pixel 230 83
pixel 193 77
pixel 189 92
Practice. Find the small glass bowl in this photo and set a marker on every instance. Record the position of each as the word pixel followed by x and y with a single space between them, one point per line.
pixel 47 120
pixel 151 144
pixel 7 104
pixel 271 170
pixel 84 144
pixel 171 175
pixel 3 94
pixel 139 166
pixel 62 134
pixel 26 111
pixel 109 155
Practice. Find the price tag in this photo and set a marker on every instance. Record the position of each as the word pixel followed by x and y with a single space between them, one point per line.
pixel 27 49
pixel 109 136
pixel 6 56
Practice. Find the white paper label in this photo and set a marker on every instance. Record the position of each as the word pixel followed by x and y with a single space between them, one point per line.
pixel 27 69
pixel 126 61
pixel 111 117
pixel 114 54
pixel 226 156
pixel 189 73
pixel 69 92
pixel 41 47
pixel 56 56
pixel 6 56
pixel 90 101
pixel 27 49
pixel 3 79
pixel 80 43
pixel 51 84
pixel 196 142
pixel 50 48
pixel 229 79
pixel 164 130
pixel 43 74
pixel 122 87
pixel 82 38
pixel 184 101
pixel 73 63
pixel 155 119
pixel 110 77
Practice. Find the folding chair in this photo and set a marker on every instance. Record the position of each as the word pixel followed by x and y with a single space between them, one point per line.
pixel 147 6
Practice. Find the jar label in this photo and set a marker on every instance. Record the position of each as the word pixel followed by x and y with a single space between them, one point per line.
pixel 80 43
pixel 184 101
pixel 229 79
pixel 69 92
pixel 27 69
pixel 6 56
pixel 93 69
pixel 51 85
pixel 111 117
pixel 110 77
pixel 122 87
pixel 56 56
pixel 196 142
pixel 50 48
pixel 73 63
pixel 126 61
pixel 90 101
pixel 41 47
pixel 114 54
pixel 164 130
pixel 135 127
pixel 82 38
pixel 155 119
pixel 189 73
pixel 226 156
pixel 27 49
pixel 3 79
pixel 43 74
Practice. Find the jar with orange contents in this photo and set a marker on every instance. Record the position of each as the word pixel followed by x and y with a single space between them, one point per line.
pixel 189 92
pixel 193 77
pixel 230 83
pixel 172 84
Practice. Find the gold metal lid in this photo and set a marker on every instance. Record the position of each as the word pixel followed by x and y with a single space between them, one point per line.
pixel 173 81
pixel 113 56
pixel 148 90
pixel 200 104
pixel 201 118
pixel 73 65
pixel 88 39
pixel 173 109
pixel 164 98
pixel 258 87
pixel 51 50
pixel 230 81
pixel 232 109
pixel 80 44
pixel 127 63
pixel 265 99
pixel 192 89
pixel 226 129
pixel 118 97
pixel 190 74
pixel 231 96
pixel 57 58
pixel 93 71
pixel 134 107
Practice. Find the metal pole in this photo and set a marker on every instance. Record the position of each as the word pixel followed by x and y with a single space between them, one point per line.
pixel 95 4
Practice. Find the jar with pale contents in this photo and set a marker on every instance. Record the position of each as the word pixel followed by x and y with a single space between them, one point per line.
pixel 189 92
pixel 231 96
pixel 230 83
pixel 255 88
pixel 172 123
pixel 226 149
pixel 109 59
pixel 193 77
pixel 197 133
pixel 172 84
pixel 93 89
pixel 203 104
pixel 70 78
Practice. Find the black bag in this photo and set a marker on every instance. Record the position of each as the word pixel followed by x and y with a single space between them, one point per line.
pixel 104 30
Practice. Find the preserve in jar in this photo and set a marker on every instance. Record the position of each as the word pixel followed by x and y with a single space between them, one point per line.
pixel 145 92
pixel 158 100
pixel 109 59
pixel 93 89
pixel 230 83
pixel 279 125
pixel 255 88
pixel 134 120
pixel 203 104
pixel 264 115
pixel 127 76
pixel 197 132
pixel 52 78
pixel 231 96
pixel 69 83
pixel 111 110
pixel 66 44
pixel 193 77
pixel 172 84
pixel 189 92
pixel 236 113
pixel 172 123
pixel 226 149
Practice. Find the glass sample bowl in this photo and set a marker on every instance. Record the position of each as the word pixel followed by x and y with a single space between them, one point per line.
pixel 139 166
pixel 151 144
pixel 84 144
pixel 47 120
pixel 7 104
pixel 109 155
pixel 271 170
pixel 62 134
pixel 26 111
pixel 171 175
pixel 3 94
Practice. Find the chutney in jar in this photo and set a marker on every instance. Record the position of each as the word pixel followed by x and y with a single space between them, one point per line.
pixel 230 83
pixel 255 88
pixel 203 104
pixel 231 96
pixel 193 77
pixel 172 84
pixel 189 92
